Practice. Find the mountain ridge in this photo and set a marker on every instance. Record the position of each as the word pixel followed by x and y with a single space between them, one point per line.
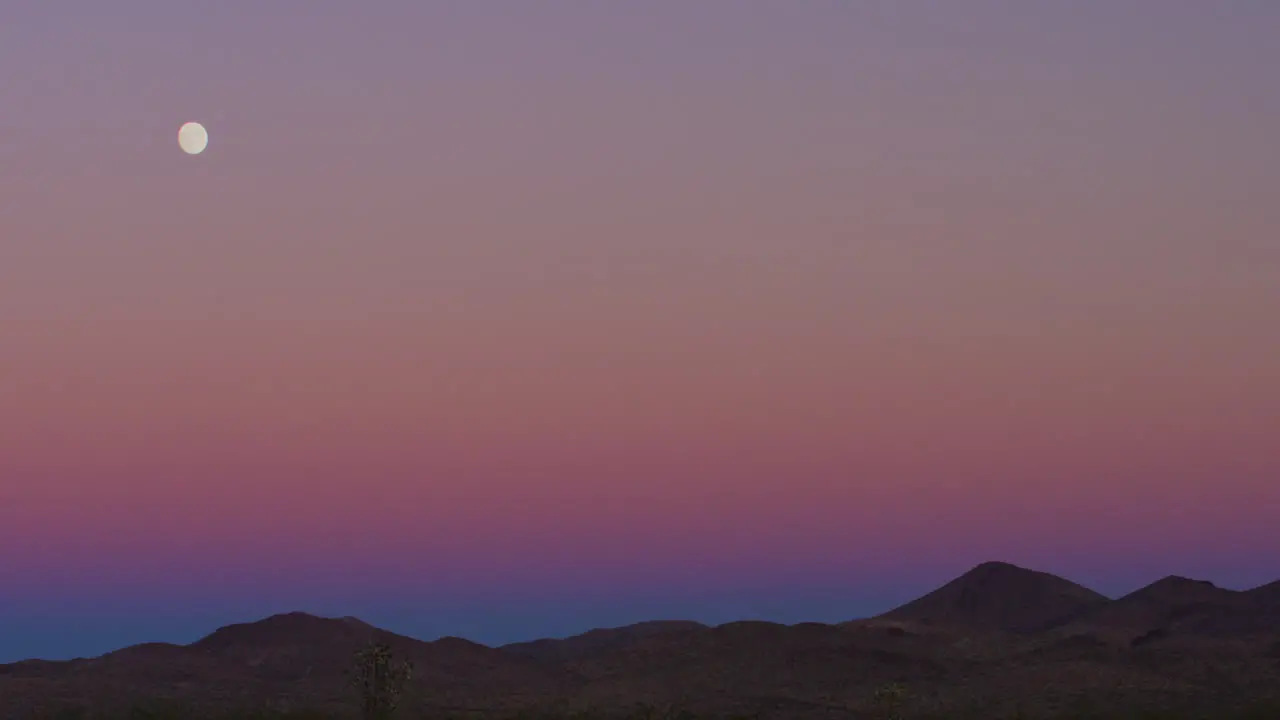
pixel 1002 626
pixel 1000 596
pixel 985 577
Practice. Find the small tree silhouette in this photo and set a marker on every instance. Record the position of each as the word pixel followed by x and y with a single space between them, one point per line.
pixel 889 699
pixel 380 683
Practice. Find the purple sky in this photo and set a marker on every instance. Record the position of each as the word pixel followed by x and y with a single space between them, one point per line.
pixel 511 319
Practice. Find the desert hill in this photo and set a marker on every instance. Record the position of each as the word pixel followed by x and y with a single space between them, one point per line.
pixel 994 635
pixel 1268 594
pixel 1179 611
pixel 1000 596
pixel 598 640
pixel 302 650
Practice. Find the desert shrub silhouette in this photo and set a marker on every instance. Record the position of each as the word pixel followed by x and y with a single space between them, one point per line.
pixel 379 681
pixel 890 699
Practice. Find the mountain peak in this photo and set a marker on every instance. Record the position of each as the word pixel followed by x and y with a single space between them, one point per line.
pixel 1176 588
pixel 292 628
pixel 1172 605
pixel 1000 596
pixel 1183 581
pixel 998 565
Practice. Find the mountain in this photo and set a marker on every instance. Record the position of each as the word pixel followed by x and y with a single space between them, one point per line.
pixel 267 640
pixel 998 596
pixel 1268 594
pixel 294 657
pixel 806 669
pixel 996 635
pixel 1171 607
pixel 296 647
pixel 598 640
pixel 316 652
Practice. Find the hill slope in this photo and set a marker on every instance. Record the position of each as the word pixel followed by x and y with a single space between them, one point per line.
pixel 599 640
pixel 799 671
pixel 1001 597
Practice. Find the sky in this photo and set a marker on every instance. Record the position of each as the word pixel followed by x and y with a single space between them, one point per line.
pixel 507 320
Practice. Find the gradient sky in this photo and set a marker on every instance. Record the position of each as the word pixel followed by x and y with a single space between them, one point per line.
pixel 512 319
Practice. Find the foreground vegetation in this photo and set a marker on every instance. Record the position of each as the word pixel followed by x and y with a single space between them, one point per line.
pixel 160 711
pixel 380 684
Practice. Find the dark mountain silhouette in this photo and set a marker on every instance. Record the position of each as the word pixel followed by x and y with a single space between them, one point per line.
pixel 1175 609
pixel 245 641
pixel 1163 602
pixel 303 649
pixel 1000 596
pixel 807 666
pixel 996 634
pixel 295 646
pixel 598 640
pixel 1268 594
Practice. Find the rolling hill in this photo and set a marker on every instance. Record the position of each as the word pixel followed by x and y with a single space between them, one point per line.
pixel 1000 596
pixel 994 635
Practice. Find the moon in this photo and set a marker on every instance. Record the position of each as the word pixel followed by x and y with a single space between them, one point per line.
pixel 193 138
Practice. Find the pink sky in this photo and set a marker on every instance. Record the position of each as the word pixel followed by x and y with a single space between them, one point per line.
pixel 678 302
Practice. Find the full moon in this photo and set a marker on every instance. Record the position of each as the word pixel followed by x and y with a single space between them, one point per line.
pixel 193 138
